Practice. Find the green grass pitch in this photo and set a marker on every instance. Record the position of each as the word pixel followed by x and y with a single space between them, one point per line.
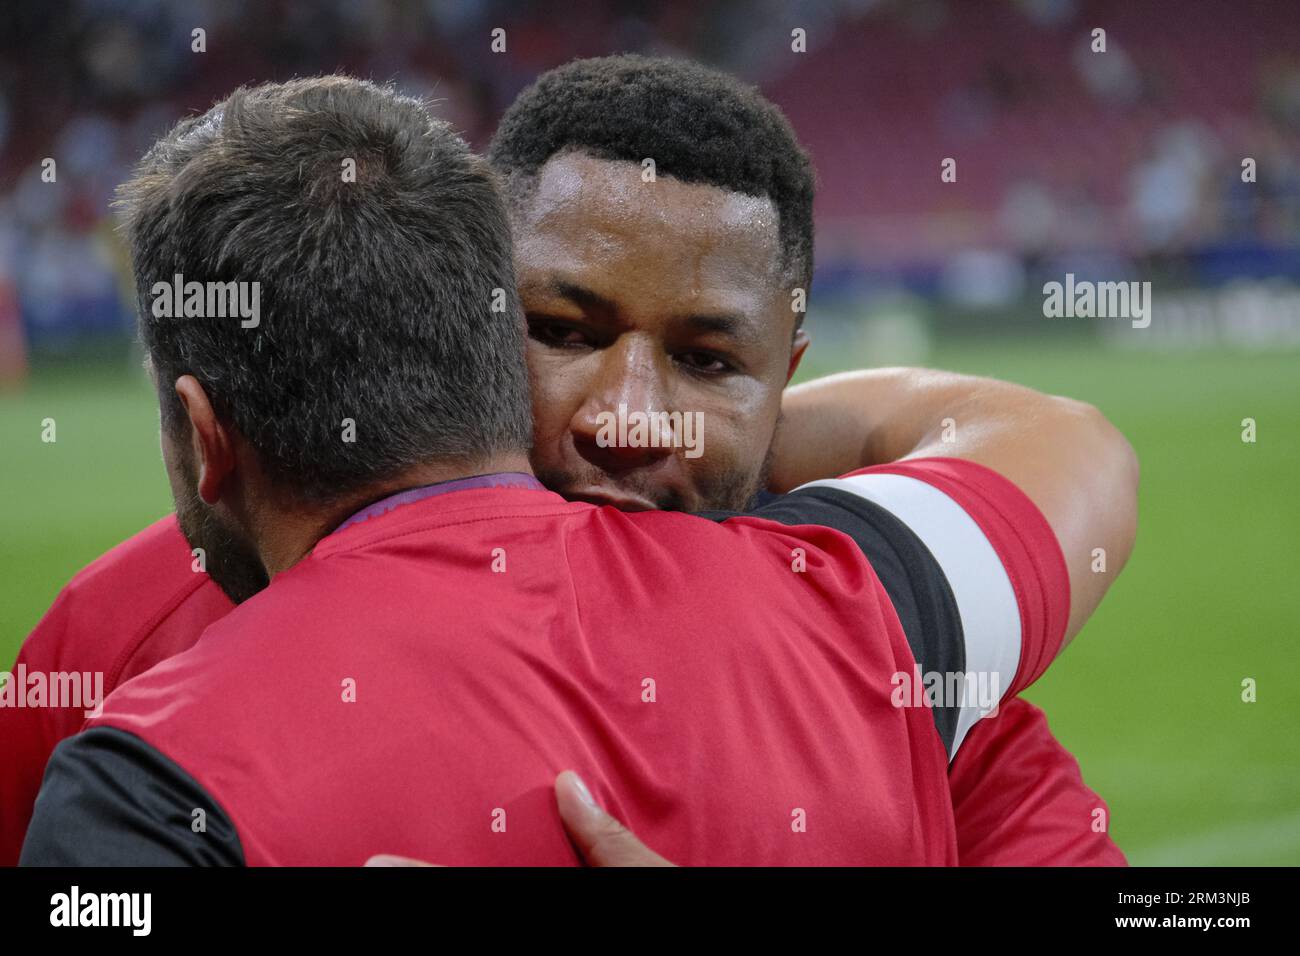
pixel 1148 697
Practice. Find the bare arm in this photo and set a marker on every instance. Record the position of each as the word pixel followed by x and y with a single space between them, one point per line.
pixel 1064 455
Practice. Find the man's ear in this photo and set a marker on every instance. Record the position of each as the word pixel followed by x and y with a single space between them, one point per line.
pixel 214 451
pixel 800 346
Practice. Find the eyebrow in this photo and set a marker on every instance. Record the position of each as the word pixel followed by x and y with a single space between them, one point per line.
pixel 734 326
pixel 577 294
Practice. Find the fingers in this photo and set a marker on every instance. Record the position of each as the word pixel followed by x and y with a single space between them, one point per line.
pixel 601 839
pixel 384 859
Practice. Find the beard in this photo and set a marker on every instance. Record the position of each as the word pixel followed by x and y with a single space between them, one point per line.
pixel 231 560
pixel 734 490
pixel 742 495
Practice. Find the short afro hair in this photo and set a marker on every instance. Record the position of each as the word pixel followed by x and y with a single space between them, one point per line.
pixel 698 124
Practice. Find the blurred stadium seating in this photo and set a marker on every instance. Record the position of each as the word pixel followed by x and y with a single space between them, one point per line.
pixel 1067 160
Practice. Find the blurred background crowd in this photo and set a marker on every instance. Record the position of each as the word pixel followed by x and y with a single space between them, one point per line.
pixel 1067 159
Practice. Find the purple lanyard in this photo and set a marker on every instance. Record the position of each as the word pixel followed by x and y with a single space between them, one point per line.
pixel 504 479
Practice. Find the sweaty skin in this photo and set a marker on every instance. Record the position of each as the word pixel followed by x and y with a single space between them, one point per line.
pixel 670 296
pixel 663 296
pixel 1071 462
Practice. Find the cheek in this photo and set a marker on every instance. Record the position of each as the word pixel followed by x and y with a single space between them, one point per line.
pixel 545 374
pixel 556 385
pixel 736 437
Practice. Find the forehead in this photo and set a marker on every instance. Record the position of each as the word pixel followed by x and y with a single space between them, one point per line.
pixel 594 215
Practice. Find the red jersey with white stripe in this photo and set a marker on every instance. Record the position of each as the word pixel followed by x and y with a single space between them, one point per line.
pixel 1053 789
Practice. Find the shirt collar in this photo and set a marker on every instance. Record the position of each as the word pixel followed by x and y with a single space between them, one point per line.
pixel 503 479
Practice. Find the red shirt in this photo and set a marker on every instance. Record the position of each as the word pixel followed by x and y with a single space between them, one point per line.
pixel 136 605
pixel 1019 799
pixel 1017 794
pixel 728 710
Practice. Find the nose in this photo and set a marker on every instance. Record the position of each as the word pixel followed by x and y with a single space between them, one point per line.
pixel 618 427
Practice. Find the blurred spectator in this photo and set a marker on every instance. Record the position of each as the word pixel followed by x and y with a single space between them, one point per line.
pixel 1130 152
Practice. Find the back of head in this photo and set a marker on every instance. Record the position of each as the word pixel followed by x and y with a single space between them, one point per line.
pixel 377 251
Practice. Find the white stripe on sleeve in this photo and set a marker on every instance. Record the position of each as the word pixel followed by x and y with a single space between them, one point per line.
pixel 986 603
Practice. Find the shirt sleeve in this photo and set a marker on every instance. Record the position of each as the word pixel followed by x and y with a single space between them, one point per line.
pixel 29 734
pixel 135 606
pixel 907 571
pixel 111 799
pixel 1018 798
pixel 971 565
pixel 1023 547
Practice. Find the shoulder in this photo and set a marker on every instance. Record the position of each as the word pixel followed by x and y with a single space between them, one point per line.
pixel 131 607
pixel 157 548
